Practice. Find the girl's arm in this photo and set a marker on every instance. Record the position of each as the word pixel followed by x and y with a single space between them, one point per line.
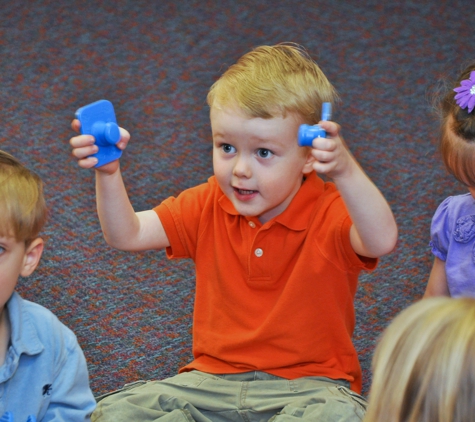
pixel 437 284
pixel 374 232
pixel 122 227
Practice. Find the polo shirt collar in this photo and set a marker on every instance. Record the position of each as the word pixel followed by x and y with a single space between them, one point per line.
pixel 296 216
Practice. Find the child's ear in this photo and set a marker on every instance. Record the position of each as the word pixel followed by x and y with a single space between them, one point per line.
pixel 308 166
pixel 32 257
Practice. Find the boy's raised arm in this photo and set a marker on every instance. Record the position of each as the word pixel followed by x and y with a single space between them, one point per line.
pixel 374 232
pixel 122 227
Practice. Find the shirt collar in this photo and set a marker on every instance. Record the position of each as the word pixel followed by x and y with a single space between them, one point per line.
pixel 297 215
pixel 24 337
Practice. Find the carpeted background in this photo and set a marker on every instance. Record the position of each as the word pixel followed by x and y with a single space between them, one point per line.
pixel 155 61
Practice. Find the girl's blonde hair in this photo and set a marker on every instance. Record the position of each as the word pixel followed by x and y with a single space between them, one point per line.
pixel 22 205
pixel 457 142
pixel 271 81
pixel 424 364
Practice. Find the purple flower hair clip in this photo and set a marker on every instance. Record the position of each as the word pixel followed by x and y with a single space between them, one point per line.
pixel 466 93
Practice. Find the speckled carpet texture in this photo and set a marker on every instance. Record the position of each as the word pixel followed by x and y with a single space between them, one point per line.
pixel 155 61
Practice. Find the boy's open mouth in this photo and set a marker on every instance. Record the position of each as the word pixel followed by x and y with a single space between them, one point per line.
pixel 244 192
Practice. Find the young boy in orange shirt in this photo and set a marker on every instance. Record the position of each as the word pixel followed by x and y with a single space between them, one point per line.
pixel 277 251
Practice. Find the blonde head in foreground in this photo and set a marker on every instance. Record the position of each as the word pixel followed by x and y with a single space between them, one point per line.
pixel 424 364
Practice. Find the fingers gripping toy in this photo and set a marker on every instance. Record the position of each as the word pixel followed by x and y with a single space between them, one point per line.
pixel 308 133
pixel 8 417
pixel 98 119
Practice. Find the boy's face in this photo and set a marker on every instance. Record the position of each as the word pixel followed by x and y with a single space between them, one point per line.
pixel 16 259
pixel 257 162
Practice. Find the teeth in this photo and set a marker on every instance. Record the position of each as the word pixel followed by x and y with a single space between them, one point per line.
pixel 245 192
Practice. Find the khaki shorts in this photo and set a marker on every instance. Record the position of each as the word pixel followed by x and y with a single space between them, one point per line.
pixel 248 397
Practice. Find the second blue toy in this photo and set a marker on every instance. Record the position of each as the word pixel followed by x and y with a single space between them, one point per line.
pixel 307 133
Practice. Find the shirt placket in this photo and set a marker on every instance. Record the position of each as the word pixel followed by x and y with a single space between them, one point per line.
pixel 259 258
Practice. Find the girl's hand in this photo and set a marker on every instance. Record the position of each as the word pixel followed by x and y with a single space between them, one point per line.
pixel 84 146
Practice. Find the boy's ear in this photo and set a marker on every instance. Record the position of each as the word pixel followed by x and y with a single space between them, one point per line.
pixel 32 257
pixel 308 166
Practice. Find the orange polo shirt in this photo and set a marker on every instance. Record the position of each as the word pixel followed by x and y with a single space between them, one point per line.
pixel 274 297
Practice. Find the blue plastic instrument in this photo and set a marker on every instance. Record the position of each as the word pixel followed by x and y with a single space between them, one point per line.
pixel 98 119
pixel 307 133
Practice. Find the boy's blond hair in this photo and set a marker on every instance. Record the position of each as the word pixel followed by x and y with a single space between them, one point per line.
pixel 272 81
pixel 424 364
pixel 22 205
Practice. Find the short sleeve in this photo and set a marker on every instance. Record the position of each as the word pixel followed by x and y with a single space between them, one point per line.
pixel 440 230
pixel 183 216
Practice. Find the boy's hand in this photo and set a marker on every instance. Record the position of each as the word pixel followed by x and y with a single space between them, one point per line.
pixel 83 147
pixel 331 153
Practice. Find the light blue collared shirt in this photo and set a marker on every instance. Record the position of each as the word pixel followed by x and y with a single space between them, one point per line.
pixel 45 372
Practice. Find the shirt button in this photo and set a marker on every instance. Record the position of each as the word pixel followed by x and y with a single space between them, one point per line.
pixel 258 252
pixel 252 224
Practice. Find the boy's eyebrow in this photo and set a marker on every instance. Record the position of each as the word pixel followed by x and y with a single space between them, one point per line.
pixel 217 136
pixel 264 141
pixel 4 240
pixel 269 142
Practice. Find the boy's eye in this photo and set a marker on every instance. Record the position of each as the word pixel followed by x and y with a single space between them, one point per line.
pixel 228 149
pixel 264 153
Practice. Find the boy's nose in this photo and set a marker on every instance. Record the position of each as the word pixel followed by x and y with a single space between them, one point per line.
pixel 242 168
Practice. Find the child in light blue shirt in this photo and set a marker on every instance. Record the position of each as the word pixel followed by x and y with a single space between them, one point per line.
pixel 43 372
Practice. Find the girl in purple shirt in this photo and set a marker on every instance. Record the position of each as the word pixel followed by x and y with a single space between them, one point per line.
pixel 453 225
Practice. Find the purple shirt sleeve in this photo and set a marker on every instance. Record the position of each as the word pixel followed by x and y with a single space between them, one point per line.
pixel 440 230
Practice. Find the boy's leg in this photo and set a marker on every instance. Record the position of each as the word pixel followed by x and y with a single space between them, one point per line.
pixel 323 400
pixel 190 396
pixel 268 397
pixel 145 403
